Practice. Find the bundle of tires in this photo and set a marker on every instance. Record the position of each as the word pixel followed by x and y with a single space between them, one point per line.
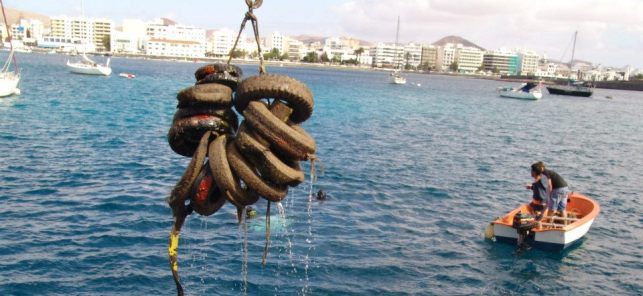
pixel 239 162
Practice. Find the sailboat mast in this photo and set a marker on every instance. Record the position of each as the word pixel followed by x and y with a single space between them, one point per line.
pixel 573 50
pixel 397 35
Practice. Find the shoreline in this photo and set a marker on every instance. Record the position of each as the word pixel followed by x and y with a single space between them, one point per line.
pixel 632 85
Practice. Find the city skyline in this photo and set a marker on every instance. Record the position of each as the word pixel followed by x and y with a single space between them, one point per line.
pixel 610 32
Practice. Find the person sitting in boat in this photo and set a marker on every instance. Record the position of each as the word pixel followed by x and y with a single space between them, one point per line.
pixel 556 192
pixel 528 86
pixel 538 201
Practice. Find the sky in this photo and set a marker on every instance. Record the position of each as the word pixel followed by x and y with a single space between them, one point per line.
pixel 610 32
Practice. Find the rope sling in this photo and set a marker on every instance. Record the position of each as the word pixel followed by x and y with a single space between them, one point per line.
pixel 238 163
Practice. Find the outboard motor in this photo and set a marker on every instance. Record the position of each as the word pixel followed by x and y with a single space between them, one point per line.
pixel 523 223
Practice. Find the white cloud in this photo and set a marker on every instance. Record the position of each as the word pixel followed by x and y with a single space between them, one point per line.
pixel 610 31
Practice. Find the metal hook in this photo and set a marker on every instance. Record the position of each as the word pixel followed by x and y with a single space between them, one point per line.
pixel 254 4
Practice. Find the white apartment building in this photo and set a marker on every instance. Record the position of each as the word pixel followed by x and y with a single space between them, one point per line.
pixel 174 48
pixel 124 43
pixel 446 57
pixel 27 30
pixel 136 31
pixel 296 50
pixel 90 30
pixel 335 47
pixel 469 59
pixel 413 54
pixel 278 41
pixel 174 40
pixel 222 41
pixel 527 62
pixel 387 55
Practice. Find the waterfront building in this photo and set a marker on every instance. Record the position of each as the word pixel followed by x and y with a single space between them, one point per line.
pixel 387 55
pixel 296 50
pixel 28 31
pixel 500 62
pixel 65 44
pixel 335 47
pixel 96 31
pixel 429 58
pixel 527 62
pixel 446 57
pixel 166 38
pixel 122 42
pixel 413 55
pixel 136 31
pixel 221 42
pixel 469 59
pixel 278 41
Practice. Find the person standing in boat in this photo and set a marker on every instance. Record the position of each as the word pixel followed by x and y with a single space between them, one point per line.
pixel 538 198
pixel 556 192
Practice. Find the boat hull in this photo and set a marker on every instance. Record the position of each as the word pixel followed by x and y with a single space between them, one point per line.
pixel 550 238
pixel 520 95
pixel 9 84
pixel 568 92
pixel 80 68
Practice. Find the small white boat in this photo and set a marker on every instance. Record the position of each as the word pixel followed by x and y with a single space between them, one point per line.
pixel 89 67
pixel 526 91
pixel 553 235
pixel 127 75
pixel 9 84
pixel 9 79
pixel 397 78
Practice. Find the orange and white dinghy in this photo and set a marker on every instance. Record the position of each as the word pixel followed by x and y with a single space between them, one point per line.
pixel 555 233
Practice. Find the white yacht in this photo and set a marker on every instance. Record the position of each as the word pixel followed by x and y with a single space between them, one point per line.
pixel 396 76
pixel 89 67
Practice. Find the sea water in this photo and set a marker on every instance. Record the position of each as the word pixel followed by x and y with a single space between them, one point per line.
pixel 413 173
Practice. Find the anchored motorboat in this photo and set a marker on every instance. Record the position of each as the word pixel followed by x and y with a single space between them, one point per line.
pixel 526 91
pixel 127 75
pixel 555 233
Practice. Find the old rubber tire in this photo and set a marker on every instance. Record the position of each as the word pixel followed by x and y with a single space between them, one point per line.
pixel 267 163
pixel 206 198
pixel 227 114
pixel 185 133
pixel 244 170
pixel 229 75
pixel 284 88
pixel 205 94
pixel 282 137
pixel 182 188
pixel 223 176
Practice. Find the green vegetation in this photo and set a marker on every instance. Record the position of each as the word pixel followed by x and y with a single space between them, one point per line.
pixel 311 57
pixel 453 67
pixel 238 54
pixel 107 42
pixel 638 77
pixel 272 55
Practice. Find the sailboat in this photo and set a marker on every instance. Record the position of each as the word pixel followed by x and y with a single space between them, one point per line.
pixel 396 76
pixel 9 80
pixel 573 88
pixel 87 65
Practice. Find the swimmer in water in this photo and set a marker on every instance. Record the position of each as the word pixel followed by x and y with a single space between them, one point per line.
pixel 250 212
pixel 321 195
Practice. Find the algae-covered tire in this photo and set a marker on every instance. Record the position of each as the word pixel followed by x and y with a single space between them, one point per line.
pixel 206 198
pixel 229 75
pixel 184 135
pixel 224 177
pixel 282 137
pixel 181 189
pixel 270 167
pixel 244 170
pixel 209 94
pixel 227 114
pixel 268 86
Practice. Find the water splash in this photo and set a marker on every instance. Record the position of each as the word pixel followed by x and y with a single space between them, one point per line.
pixel 243 231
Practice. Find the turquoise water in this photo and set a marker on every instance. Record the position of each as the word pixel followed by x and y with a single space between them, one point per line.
pixel 414 174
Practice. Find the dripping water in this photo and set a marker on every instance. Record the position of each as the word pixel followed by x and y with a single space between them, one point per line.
pixel 243 231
